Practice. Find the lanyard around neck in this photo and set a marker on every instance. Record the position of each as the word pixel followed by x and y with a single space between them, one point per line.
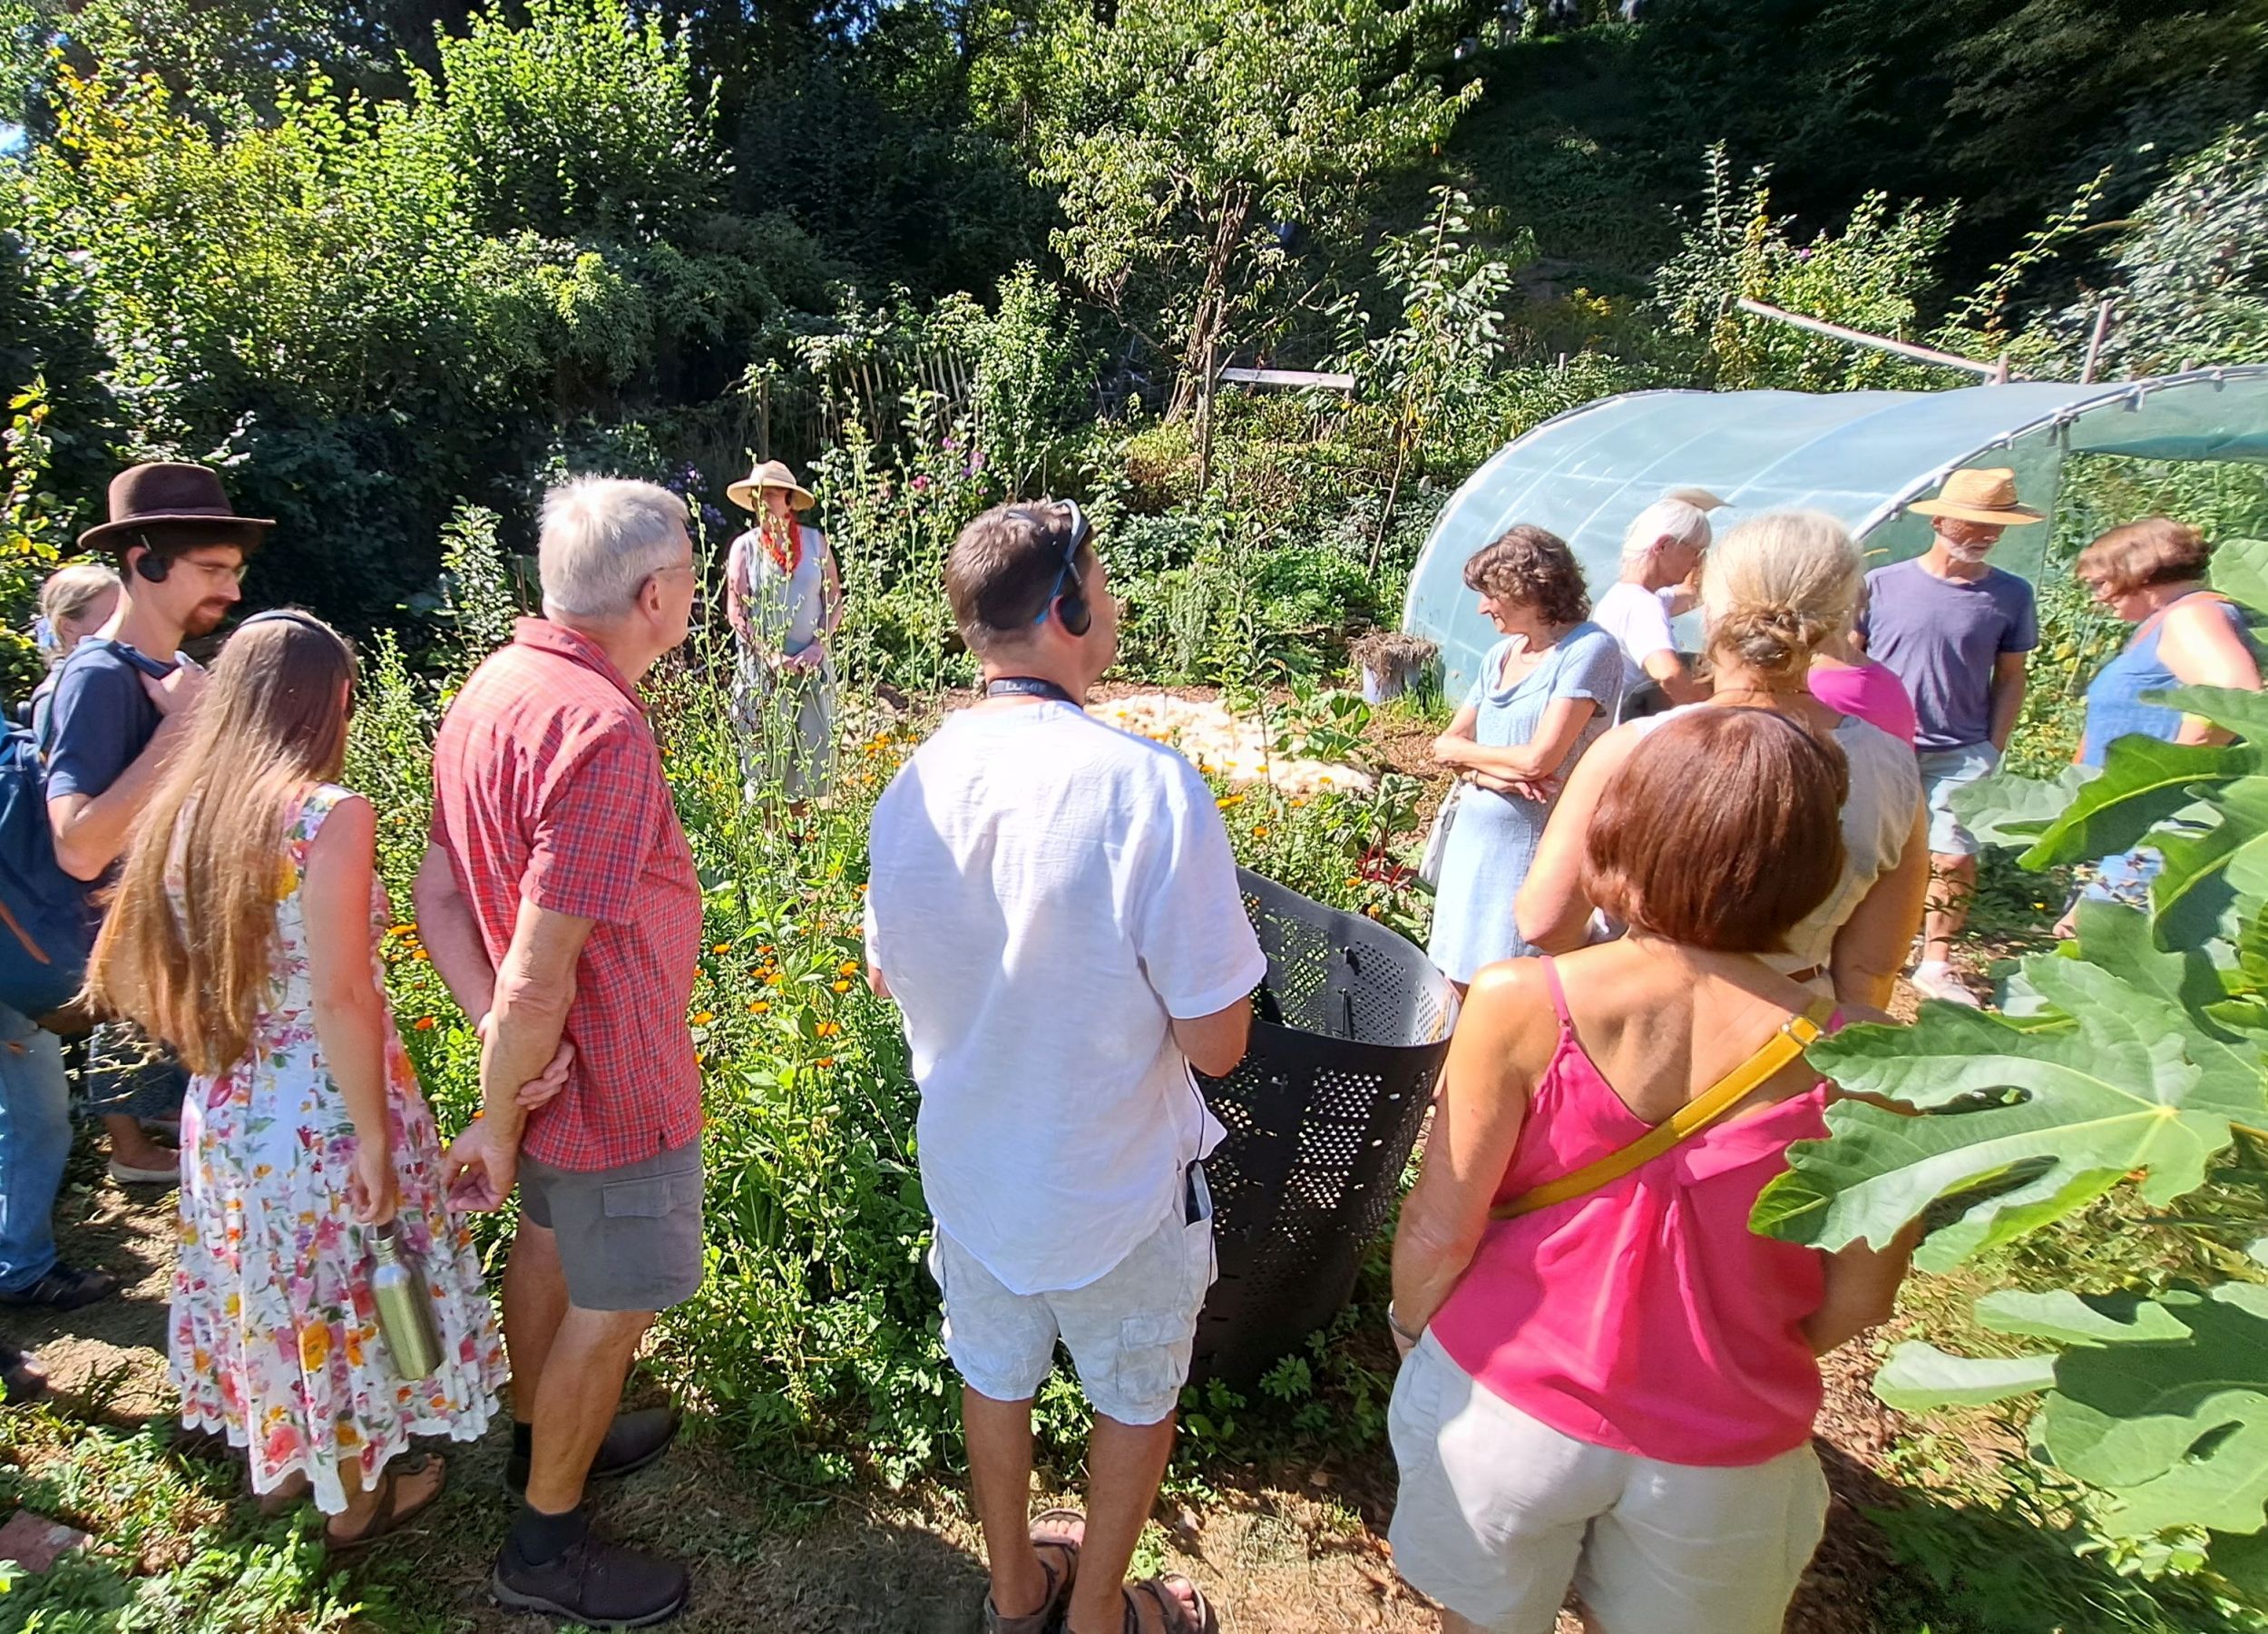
pixel 1029 686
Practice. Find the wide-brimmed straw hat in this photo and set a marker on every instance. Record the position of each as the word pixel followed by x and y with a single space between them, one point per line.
pixel 182 501
pixel 769 473
pixel 1987 497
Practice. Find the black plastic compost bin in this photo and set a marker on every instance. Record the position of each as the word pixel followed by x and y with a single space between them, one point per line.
pixel 1348 1033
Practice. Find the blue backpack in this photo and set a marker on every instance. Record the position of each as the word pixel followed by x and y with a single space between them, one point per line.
pixel 45 929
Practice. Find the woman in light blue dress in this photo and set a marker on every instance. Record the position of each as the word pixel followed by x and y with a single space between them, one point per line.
pixel 1544 693
pixel 2152 575
pixel 784 598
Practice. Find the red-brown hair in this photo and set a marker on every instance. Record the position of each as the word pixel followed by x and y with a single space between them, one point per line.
pixel 1723 830
pixel 2158 550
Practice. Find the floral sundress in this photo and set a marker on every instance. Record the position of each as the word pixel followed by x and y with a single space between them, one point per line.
pixel 274 1339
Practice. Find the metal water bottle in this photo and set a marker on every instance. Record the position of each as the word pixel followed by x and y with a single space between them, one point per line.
pixel 397 1289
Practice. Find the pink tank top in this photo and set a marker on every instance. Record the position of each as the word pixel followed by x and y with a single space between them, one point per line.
pixel 1645 1316
pixel 1872 692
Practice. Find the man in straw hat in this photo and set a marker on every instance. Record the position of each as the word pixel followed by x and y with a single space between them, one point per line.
pixel 1955 630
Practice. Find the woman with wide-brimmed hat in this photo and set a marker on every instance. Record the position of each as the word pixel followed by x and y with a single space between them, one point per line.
pixel 784 597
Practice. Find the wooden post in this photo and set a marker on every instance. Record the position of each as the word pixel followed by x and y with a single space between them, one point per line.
pixel 1920 354
pixel 2094 341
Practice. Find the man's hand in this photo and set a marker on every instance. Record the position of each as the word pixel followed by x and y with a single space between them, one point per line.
pixel 479 1170
pixel 178 693
pixel 544 1089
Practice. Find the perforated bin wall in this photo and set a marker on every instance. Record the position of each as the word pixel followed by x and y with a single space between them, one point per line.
pixel 1348 1033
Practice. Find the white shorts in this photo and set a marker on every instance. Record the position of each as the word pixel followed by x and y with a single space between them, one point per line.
pixel 1129 1331
pixel 1499 1514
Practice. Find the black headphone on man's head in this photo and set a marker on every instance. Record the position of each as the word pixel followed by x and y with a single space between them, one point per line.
pixel 1070 606
pixel 152 564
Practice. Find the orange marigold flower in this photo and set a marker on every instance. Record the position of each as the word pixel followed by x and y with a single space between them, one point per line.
pixel 704 1018
pixel 842 986
pixel 848 967
pixel 825 1061
pixel 424 1023
pixel 722 947
pixel 758 1007
pixel 829 1029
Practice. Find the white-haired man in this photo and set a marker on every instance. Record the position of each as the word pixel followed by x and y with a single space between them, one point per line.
pixel 559 903
pixel 1661 549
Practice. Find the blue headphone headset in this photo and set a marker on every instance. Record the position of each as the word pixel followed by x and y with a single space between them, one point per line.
pixel 1070 606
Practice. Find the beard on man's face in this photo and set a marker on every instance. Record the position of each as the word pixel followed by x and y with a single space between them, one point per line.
pixel 207 618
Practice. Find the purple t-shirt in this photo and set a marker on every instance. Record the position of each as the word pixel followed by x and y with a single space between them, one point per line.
pixel 1940 637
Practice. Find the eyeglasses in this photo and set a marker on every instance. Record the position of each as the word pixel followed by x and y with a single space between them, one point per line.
pixel 233 571
pixel 1079 532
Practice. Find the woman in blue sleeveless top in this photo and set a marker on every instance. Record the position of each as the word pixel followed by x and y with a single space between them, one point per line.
pixel 2151 573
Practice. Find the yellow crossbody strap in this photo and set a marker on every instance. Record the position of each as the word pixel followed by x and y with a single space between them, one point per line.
pixel 1689 1120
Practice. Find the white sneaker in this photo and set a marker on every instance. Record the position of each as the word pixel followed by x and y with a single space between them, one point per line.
pixel 1934 979
pixel 128 1174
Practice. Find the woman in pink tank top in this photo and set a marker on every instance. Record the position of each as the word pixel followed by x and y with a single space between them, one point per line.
pixel 1616 1391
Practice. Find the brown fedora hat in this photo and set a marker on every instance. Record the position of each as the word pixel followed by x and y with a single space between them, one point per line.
pixel 769 473
pixel 1987 497
pixel 180 500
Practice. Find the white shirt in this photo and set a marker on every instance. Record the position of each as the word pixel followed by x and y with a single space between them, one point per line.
pixel 1639 620
pixel 1047 892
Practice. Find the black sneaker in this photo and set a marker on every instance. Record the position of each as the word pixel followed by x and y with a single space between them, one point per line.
pixel 65 1288
pixel 599 1584
pixel 634 1440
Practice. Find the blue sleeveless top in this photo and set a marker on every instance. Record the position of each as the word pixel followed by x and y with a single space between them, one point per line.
pixel 2115 708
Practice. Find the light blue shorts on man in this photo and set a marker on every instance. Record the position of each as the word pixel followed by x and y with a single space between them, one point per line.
pixel 1943 770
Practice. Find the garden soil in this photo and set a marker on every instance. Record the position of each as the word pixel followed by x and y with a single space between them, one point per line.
pixel 1285 1552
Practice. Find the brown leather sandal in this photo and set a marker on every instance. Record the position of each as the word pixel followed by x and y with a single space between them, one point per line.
pixel 388 1515
pixel 1051 1611
pixel 1175 1617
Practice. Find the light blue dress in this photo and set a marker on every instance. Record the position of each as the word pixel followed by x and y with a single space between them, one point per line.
pixel 1493 838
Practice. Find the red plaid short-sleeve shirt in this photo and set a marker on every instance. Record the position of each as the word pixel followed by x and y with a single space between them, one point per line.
pixel 547 786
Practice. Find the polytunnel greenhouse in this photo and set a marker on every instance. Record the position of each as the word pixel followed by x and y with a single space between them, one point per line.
pixel 1862 456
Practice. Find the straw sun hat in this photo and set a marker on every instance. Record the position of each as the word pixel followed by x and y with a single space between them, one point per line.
pixel 1987 497
pixel 748 493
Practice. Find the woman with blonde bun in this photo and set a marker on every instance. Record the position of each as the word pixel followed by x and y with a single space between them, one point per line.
pixel 1779 588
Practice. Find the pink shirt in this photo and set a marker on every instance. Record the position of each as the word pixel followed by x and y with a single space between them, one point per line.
pixel 1645 1316
pixel 1872 693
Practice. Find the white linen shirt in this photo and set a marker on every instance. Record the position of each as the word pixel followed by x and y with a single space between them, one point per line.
pixel 1047 893
pixel 1639 620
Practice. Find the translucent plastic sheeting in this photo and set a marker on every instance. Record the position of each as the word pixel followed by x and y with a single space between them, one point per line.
pixel 1862 456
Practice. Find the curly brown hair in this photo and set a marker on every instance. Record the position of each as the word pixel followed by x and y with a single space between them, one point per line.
pixel 1535 568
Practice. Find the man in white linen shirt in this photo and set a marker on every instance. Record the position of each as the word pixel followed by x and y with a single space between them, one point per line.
pixel 1661 550
pixel 1054 907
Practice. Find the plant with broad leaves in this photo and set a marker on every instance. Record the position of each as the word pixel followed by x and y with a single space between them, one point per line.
pixel 2133 1054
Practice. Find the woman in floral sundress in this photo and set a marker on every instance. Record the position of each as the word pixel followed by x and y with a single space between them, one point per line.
pixel 244 935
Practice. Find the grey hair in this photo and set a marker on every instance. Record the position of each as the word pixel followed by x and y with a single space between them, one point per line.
pixel 1672 518
pixel 603 538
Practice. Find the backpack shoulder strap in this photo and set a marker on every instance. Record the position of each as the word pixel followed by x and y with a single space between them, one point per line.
pixel 1701 1113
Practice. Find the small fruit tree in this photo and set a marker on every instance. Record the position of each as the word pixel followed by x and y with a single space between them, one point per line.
pixel 2133 1054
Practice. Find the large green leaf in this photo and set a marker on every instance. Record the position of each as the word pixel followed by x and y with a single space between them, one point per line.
pixel 2177 1430
pixel 2237 710
pixel 1919 1376
pixel 2208 866
pixel 2131 1083
pixel 2240 571
pixel 2006 809
pixel 2162 1403
pixel 2144 783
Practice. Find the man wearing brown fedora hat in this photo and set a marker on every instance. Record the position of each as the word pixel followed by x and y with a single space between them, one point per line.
pixel 1955 630
pixel 122 701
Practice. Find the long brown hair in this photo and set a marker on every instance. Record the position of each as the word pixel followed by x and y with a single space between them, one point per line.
pixel 272 723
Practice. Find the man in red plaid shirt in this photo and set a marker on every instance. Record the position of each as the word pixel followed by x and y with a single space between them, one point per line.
pixel 559 902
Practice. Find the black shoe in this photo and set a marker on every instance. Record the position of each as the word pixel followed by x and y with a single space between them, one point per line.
pixel 65 1288
pixel 597 1583
pixel 634 1440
